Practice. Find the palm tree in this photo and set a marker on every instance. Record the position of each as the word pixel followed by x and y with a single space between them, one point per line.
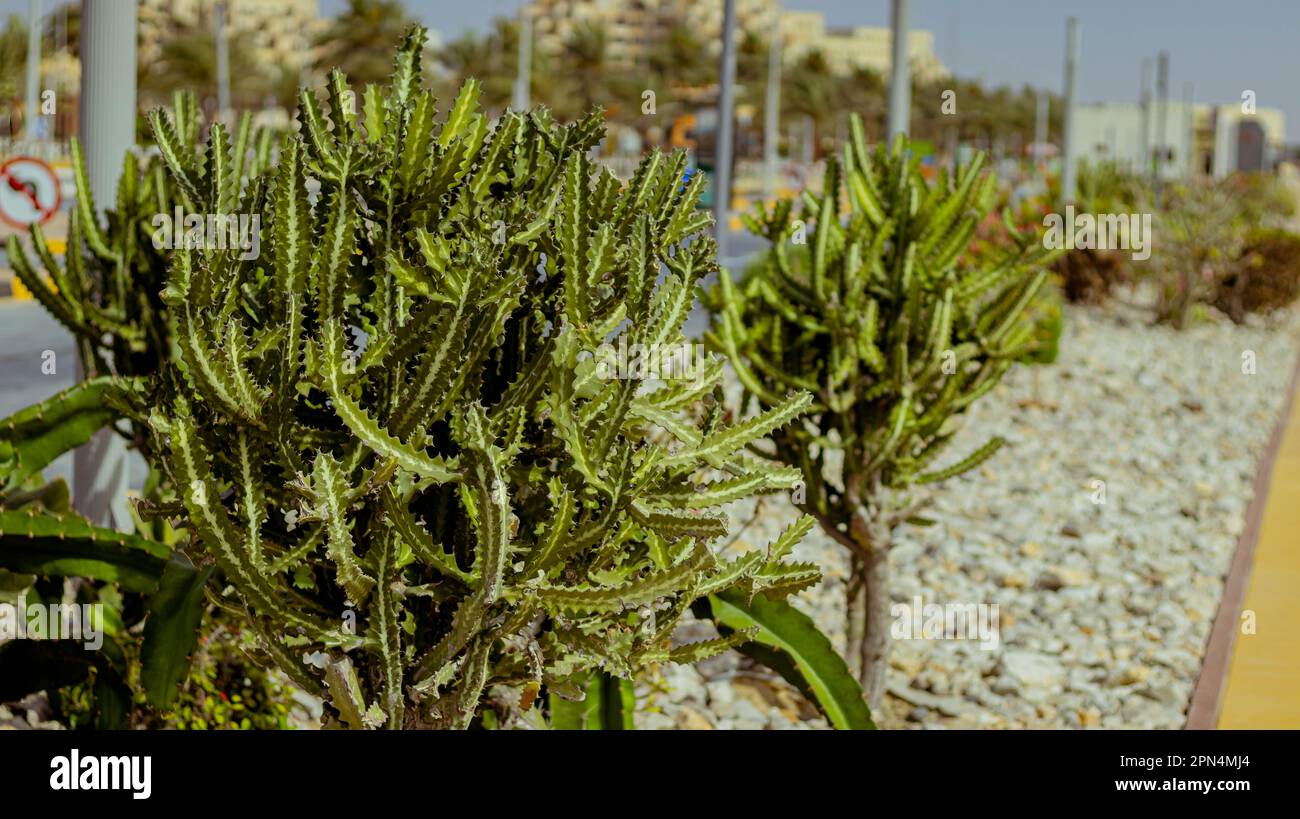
pixel 809 90
pixel 584 58
pixel 13 56
pixel 680 58
pixel 187 59
pixel 361 39
pixel 55 33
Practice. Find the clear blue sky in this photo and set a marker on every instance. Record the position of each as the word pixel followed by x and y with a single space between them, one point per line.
pixel 1222 46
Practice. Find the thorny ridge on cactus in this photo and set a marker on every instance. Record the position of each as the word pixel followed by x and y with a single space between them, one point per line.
pixel 892 336
pixel 408 368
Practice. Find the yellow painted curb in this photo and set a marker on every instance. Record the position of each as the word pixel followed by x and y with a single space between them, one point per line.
pixel 1263 688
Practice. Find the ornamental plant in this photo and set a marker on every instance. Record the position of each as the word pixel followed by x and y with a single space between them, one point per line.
pixel 389 435
pixel 893 338
pixel 106 290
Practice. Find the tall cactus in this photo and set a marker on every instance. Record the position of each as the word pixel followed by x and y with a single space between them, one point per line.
pixel 893 337
pixel 389 432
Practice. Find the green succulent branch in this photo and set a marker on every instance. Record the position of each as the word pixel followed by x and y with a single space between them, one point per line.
pixel 389 433
pixel 864 302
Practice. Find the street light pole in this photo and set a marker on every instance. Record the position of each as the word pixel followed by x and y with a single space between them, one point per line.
pixel 900 80
pixel 1040 128
pixel 223 59
pixel 33 70
pixel 107 126
pixel 1073 41
pixel 772 105
pixel 523 74
pixel 726 126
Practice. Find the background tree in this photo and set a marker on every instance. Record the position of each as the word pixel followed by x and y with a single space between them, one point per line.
pixel 187 61
pixel 895 339
pixel 361 39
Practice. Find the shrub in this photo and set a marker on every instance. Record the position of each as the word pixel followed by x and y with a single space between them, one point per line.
pixel 893 339
pixel 1265 278
pixel 482 522
pixel 1198 235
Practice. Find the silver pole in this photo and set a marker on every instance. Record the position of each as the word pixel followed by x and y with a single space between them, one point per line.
pixel 223 59
pixel 1040 127
pixel 772 105
pixel 100 468
pixel 523 76
pixel 1162 109
pixel 31 110
pixel 726 126
pixel 1073 45
pixel 900 81
pixel 1144 137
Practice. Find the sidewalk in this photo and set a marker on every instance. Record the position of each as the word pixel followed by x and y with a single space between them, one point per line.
pixel 1263 687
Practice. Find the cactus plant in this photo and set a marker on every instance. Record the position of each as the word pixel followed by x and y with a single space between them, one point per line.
pixel 107 293
pixel 893 338
pixel 389 433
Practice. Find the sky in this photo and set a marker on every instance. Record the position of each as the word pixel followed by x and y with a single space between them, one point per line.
pixel 1223 47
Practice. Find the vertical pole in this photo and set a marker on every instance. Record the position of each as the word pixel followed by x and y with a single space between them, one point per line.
pixel 900 81
pixel 1144 127
pixel 522 100
pixel 1189 126
pixel 1073 45
pixel 772 105
pixel 1162 110
pixel 726 124
pixel 30 111
pixel 100 468
pixel 1040 128
pixel 223 59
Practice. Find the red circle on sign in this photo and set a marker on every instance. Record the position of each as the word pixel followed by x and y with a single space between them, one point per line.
pixel 12 183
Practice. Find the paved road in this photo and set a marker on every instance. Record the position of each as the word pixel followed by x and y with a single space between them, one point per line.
pixel 26 331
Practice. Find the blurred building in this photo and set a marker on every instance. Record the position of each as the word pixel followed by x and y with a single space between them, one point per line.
pixel 281 30
pixel 633 28
pixel 1196 140
pixel 846 49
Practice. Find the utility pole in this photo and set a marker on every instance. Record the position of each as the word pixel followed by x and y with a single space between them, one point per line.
pixel 772 105
pixel 1073 45
pixel 900 81
pixel 522 100
pixel 100 468
pixel 223 59
pixel 1162 110
pixel 726 126
pixel 30 111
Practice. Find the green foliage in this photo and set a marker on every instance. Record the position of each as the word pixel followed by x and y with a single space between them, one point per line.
pixel 408 369
pixel 884 325
pixel 788 642
pixel 1265 278
pixel 1199 229
pixel 107 293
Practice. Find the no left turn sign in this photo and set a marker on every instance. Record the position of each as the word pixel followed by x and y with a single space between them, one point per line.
pixel 29 192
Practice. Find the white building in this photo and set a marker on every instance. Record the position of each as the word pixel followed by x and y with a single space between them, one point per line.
pixel 1197 139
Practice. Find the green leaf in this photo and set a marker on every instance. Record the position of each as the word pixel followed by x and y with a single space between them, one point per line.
pixel 69 546
pixel 171 631
pixel 789 643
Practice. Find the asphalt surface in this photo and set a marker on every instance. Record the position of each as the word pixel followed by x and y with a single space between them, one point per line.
pixel 26 332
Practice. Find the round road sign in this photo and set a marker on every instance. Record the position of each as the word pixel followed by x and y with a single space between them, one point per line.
pixel 29 192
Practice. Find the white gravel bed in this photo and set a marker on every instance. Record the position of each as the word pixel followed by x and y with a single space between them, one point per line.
pixel 1104 609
